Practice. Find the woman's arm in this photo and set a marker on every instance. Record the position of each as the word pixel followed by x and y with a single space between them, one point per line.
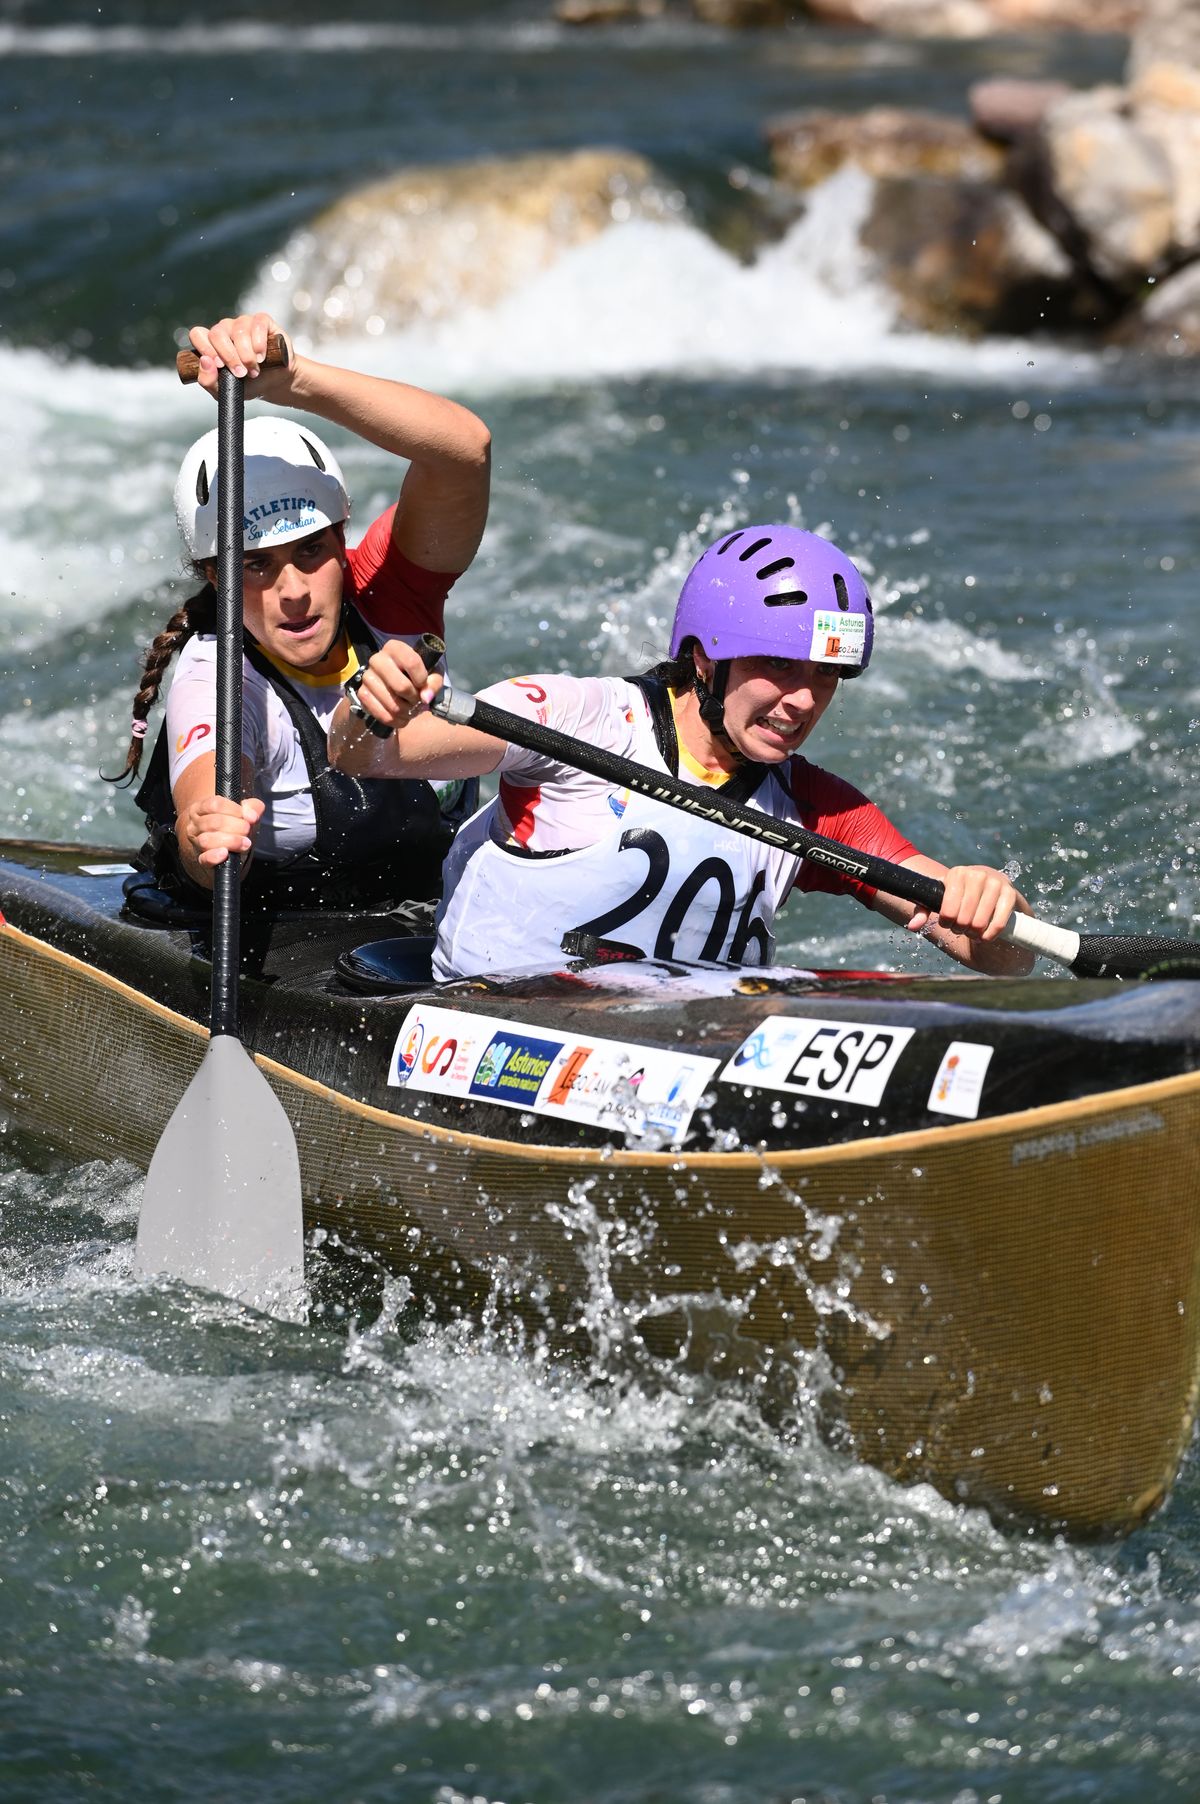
pixel 443 502
pixel 208 827
pixel 977 903
pixel 396 689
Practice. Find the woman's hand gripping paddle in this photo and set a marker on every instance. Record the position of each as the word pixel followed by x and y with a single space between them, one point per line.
pixel 1086 954
pixel 222 1204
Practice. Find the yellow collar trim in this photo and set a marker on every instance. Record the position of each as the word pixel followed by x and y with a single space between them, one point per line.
pixel 306 678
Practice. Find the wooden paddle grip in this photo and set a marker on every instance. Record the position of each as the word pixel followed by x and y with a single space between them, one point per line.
pixel 278 357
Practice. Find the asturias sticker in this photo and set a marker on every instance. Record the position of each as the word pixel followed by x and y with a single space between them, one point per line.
pixel 838 638
pixel 512 1068
pixel 839 1061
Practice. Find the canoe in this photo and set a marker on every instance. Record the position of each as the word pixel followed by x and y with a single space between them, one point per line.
pixel 962 1215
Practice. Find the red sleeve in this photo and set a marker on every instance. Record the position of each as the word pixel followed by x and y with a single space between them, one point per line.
pixel 393 594
pixel 828 805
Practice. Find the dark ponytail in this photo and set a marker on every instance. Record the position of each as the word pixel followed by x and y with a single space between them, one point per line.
pixel 197 615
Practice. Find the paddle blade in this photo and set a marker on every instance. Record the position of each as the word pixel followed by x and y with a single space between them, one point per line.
pixel 222 1205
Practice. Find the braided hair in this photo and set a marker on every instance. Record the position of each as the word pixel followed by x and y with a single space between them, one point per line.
pixel 197 615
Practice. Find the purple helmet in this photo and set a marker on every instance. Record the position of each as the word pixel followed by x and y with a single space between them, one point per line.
pixel 776 592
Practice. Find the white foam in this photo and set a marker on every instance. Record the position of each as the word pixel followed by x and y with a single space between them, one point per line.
pixel 89 456
pixel 1090 728
pixel 661 296
pixel 950 646
pixel 244 37
pixel 1042 1614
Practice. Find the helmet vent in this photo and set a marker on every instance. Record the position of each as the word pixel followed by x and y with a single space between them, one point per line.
pixel 312 452
pixel 758 545
pixel 202 485
pixel 722 549
pixel 781 563
pixel 791 598
pixel 841 591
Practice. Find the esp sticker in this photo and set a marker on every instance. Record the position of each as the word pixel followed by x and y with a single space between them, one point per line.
pixel 839 1061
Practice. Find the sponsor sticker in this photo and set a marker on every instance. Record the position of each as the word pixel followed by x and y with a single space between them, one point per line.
pixel 838 638
pixel 605 1083
pixel 405 1054
pixel 513 1067
pixel 959 1081
pixel 839 1061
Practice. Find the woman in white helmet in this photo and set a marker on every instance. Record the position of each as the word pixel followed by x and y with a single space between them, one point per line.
pixel 314 611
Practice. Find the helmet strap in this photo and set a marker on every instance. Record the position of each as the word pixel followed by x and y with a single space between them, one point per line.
pixel 712 700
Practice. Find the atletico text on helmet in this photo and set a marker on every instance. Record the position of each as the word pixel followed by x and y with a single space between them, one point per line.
pixel 293 486
pixel 776 592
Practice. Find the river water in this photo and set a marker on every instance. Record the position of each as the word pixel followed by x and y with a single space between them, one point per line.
pixel 389 1561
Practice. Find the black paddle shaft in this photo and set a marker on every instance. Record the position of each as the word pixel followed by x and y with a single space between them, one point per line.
pixel 223 1007
pixel 709 804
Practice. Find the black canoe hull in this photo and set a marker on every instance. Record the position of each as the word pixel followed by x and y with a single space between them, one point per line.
pixel 1004 1303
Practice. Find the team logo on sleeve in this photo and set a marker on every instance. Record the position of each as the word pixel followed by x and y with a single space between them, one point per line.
pixel 201 730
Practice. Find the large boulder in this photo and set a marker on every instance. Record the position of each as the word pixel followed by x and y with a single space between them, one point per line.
pixel 740 14
pixel 979 18
pixel 606 12
pixel 959 248
pixel 1165 107
pixel 1007 108
pixel 1168 31
pixel 426 242
pixel 969 256
pixel 909 18
pixel 1168 321
pixel 884 141
pixel 1102 185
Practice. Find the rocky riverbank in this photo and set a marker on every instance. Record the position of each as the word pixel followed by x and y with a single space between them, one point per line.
pixel 1042 208
pixel 900 18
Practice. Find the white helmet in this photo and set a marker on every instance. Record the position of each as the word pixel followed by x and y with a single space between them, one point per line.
pixel 293 486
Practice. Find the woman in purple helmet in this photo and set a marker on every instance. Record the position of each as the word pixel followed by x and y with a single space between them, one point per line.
pixel 769 621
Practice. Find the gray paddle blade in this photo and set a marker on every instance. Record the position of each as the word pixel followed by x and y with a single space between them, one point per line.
pixel 222 1206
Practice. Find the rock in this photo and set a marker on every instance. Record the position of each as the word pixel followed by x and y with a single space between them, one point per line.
pixel 909 18
pixel 807 148
pixel 1168 32
pixel 970 256
pixel 1101 185
pixel 739 14
pixel 1006 109
pixel 426 242
pixel 1164 104
pixel 979 18
pixel 1169 319
pixel 1173 87
pixel 606 12
pixel 1120 16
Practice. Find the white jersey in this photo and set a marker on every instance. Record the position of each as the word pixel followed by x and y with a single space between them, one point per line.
pixel 269 738
pixel 638 874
